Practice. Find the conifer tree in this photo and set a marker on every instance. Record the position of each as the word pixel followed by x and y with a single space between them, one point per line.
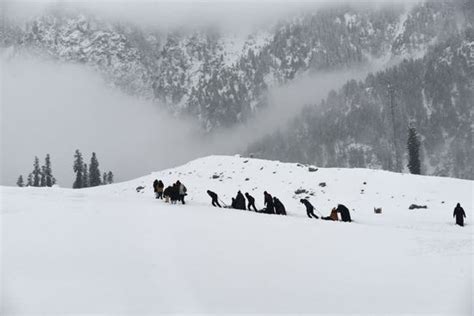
pixel 104 178
pixel 49 179
pixel 85 177
pixel 29 182
pixel 110 177
pixel 413 146
pixel 78 168
pixel 20 182
pixel 36 173
pixel 43 177
pixel 94 172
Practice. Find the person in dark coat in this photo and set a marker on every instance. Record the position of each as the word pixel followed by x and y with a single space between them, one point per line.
pixel 159 189
pixel 155 187
pixel 459 214
pixel 167 193
pixel 240 201
pixel 251 201
pixel 181 191
pixel 279 207
pixel 268 201
pixel 174 194
pixel 344 211
pixel 309 208
pixel 214 198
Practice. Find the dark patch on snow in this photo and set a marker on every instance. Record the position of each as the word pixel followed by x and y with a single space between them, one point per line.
pixel 247 179
pixel 139 188
pixel 301 191
pixel 415 206
pixel 322 184
pixel 312 169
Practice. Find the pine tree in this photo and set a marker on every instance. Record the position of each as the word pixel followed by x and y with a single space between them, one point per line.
pixel 43 176
pixel 104 178
pixel 29 182
pixel 94 172
pixel 110 177
pixel 85 177
pixel 49 179
pixel 78 168
pixel 20 182
pixel 413 146
pixel 36 173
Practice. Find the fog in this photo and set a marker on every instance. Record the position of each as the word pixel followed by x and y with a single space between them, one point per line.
pixel 229 15
pixel 56 108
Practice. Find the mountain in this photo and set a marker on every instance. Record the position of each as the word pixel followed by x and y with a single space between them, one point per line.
pixel 355 127
pixel 222 78
pixel 112 249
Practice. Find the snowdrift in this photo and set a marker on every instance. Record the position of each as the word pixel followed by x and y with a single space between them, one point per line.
pixel 113 250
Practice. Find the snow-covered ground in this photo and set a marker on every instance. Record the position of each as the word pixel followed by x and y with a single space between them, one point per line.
pixel 111 250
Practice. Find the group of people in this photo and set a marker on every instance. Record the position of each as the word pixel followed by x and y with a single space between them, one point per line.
pixel 333 216
pixel 273 205
pixel 174 193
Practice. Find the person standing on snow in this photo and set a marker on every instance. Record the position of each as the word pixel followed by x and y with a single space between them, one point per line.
pixel 459 214
pixel 159 189
pixel 309 208
pixel 268 201
pixel 181 191
pixel 240 201
pixel 344 211
pixel 279 207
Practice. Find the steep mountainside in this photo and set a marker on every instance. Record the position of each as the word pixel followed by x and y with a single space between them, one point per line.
pixel 354 127
pixel 221 78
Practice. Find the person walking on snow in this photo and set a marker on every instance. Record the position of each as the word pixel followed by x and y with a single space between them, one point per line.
pixel 251 201
pixel 459 214
pixel 309 208
pixel 159 189
pixel 214 198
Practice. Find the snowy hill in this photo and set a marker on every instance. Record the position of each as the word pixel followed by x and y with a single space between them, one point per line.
pixel 113 250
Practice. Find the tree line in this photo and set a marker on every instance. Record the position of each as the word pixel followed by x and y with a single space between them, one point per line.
pixel 85 175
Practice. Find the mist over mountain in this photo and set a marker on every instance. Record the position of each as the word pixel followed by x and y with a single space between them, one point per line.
pixel 222 79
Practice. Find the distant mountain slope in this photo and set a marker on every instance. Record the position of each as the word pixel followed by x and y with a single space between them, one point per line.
pixel 222 79
pixel 354 127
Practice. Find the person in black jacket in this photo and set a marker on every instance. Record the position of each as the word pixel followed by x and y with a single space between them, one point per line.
pixel 240 201
pixel 309 208
pixel 279 207
pixel 214 198
pixel 251 201
pixel 344 211
pixel 268 201
pixel 459 214
pixel 167 193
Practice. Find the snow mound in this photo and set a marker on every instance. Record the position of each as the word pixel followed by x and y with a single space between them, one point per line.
pixel 113 250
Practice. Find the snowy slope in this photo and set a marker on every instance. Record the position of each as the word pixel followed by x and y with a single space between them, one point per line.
pixel 113 250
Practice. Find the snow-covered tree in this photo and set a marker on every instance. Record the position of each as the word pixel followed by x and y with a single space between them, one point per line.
pixel 94 172
pixel 85 177
pixel 413 146
pixel 36 173
pixel 78 168
pixel 20 182
pixel 110 177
